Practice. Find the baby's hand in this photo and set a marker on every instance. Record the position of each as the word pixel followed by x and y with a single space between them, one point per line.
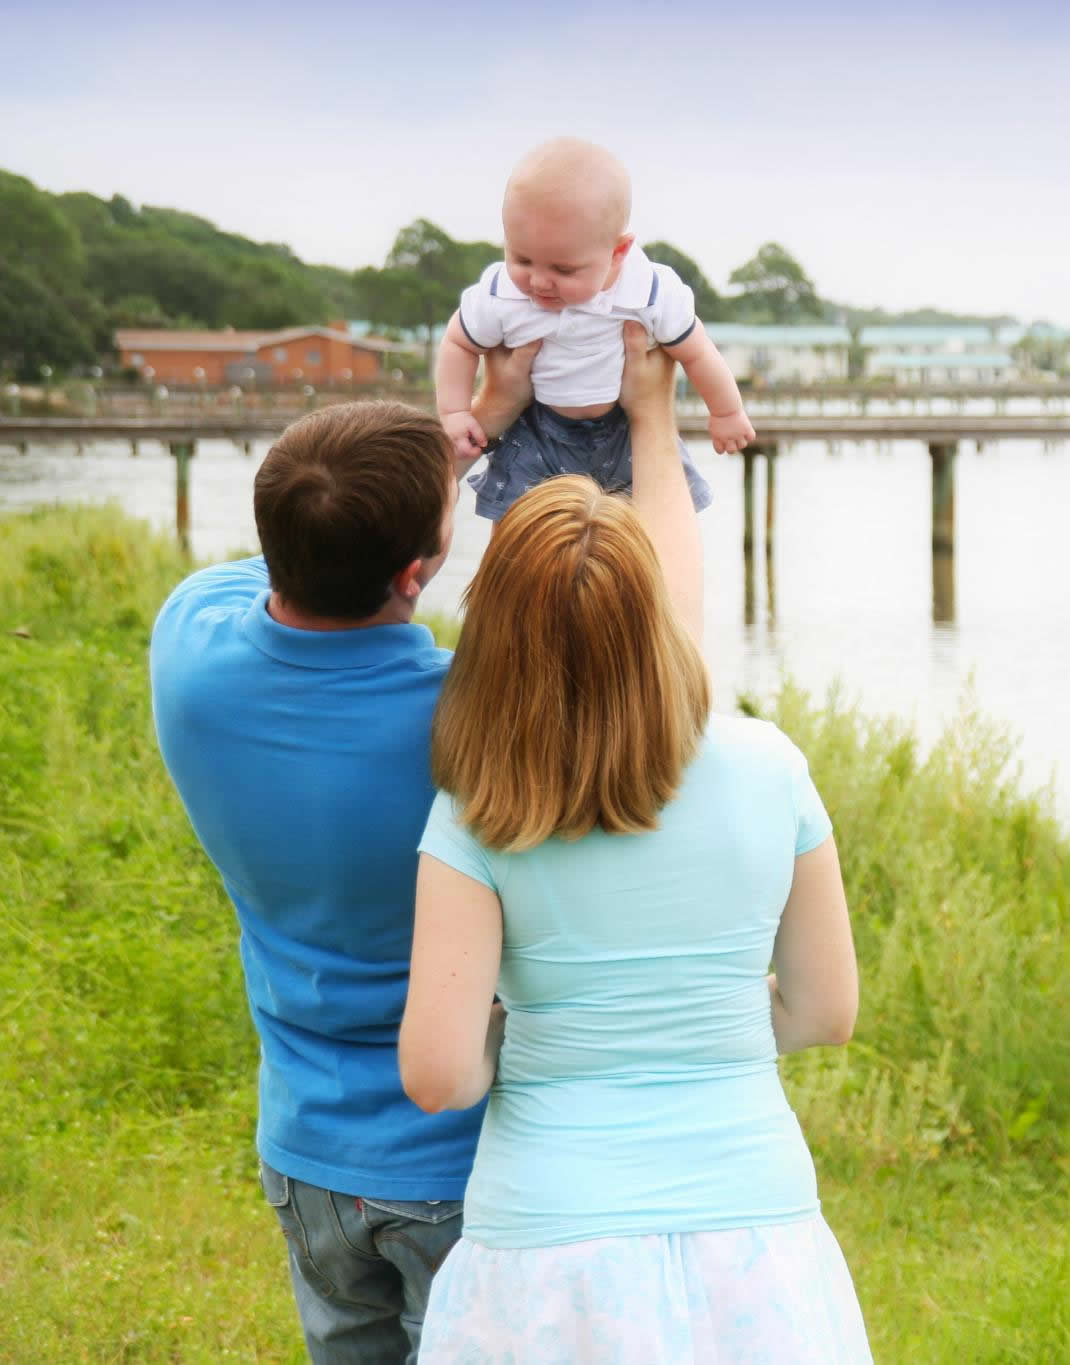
pixel 466 434
pixel 731 431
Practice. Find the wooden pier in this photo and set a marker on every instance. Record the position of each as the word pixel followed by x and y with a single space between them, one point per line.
pixel 862 394
pixel 776 427
pixel 773 427
pixel 941 432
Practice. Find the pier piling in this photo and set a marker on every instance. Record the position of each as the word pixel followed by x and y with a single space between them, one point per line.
pixel 748 502
pixel 770 498
pixel 943 589
pixel 750 457
pixel 183 453
pixel 943 462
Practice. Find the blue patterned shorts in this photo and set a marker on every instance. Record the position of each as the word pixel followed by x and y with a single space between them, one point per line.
pixel 542 444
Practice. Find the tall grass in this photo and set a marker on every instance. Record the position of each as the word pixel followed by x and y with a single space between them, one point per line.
pixel 959 887
pixel 130 1225
pixel 121 988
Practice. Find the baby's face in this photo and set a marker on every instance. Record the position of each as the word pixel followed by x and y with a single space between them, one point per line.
pixel 554 258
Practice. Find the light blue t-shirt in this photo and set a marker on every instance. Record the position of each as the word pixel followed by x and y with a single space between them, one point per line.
pixel 302 758
pixel 637 1090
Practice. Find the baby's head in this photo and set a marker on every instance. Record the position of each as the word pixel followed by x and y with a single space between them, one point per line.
pixel 565 217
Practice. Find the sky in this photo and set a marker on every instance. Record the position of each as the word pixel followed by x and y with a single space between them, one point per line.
pixel 908 154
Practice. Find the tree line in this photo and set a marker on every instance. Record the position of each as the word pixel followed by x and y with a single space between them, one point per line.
pixel 74 267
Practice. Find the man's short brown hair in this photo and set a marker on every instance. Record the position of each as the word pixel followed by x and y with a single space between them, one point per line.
pixel 345 499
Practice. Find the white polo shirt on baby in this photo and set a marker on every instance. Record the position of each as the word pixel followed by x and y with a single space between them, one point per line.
pixel 581 359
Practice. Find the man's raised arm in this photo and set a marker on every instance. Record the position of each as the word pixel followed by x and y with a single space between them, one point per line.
pixel 506 392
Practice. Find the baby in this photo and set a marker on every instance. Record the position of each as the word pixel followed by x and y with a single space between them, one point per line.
pixel 572 277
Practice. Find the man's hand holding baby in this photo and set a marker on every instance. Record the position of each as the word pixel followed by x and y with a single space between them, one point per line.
pixel 505 393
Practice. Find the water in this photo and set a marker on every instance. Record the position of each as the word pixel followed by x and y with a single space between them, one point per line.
pixel 852 568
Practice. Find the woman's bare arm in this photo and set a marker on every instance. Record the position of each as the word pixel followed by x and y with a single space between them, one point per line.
pixel 452 1030
pixel 660 494
pixel 814 989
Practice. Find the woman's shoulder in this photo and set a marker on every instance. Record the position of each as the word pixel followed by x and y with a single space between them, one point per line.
pixel 752 765
pixel 748 744
pixel 747 735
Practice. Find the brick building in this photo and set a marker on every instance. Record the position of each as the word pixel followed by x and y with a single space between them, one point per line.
pixel 307 355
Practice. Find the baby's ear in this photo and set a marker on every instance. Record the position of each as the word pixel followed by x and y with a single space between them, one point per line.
pixel 624 245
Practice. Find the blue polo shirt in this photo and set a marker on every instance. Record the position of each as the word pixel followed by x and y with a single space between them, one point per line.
pixel 302 758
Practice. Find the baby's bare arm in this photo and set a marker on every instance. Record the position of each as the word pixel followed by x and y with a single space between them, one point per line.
pixel 704 365
pixel 455 372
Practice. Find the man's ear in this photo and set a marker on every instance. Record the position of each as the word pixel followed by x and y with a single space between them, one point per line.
pixel 407 583
pixel 624 245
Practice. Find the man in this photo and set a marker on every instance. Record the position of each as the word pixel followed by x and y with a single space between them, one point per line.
pixel 293 699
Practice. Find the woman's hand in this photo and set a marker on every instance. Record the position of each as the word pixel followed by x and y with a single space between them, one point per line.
pixel 646 389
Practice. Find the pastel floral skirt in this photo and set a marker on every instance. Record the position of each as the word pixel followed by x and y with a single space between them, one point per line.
pixel 776 1295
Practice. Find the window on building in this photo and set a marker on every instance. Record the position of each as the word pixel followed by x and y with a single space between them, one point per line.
pixel 280 354
pixel 137 358
pixel 312 357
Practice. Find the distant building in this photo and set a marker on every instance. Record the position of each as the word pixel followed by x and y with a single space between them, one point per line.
pixel 964 353
pixel 985 367
pixel 765 354
pixel 309 355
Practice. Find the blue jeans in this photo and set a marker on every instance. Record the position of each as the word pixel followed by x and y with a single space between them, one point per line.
pixel 361 1268
pixel 542 444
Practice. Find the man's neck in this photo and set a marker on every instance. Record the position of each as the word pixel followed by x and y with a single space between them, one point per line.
pixel 394 612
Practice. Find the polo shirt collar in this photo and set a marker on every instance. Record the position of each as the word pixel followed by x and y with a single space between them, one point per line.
pixel 504 288
pixel 363 647
pixel 632 289
pixel 634 283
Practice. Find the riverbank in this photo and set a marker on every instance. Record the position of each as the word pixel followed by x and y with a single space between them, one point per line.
pixel 130 1223
pixel 849 594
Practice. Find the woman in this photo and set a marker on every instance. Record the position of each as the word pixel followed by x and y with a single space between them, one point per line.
pixel 621 867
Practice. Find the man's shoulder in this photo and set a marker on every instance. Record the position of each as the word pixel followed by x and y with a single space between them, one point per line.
pixel 220 590
pixel 424 654
pixel 236 581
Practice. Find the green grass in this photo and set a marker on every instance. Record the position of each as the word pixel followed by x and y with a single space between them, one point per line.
pixel 131 1227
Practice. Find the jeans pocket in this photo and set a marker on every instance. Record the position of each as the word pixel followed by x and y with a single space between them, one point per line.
pixel 279 1193
pixel 419 1210
pixel 414 1235
pixel 275 1185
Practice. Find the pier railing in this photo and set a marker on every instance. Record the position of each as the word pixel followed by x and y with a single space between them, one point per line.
pixel 941 432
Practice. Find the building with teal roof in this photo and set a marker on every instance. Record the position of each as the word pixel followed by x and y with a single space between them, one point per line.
pixel 810 353
pixel 942 367
pixel 960 336
pixel 947 353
